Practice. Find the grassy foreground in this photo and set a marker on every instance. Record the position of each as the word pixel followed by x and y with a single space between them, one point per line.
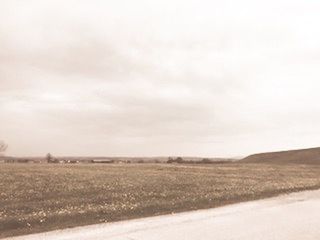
pixel 41 197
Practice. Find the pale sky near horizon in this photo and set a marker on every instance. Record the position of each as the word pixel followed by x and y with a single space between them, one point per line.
pixel 150 78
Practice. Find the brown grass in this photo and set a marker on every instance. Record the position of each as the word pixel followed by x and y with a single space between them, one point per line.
pixel 301 156
pixel 42 197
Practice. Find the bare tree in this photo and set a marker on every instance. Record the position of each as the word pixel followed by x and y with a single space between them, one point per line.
pixel 49 158
pixel 3 146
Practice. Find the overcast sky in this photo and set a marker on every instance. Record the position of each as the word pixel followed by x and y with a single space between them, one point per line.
pixel 150 78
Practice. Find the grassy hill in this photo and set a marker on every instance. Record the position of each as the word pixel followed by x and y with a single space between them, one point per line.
pixel 302 156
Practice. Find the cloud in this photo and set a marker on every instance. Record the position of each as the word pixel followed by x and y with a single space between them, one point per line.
pixel 171 77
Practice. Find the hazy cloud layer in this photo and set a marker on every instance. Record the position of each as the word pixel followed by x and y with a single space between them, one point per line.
pixel 209 78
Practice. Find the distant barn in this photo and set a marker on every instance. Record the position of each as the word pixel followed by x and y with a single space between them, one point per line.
pixel 102 161
pixel 17 160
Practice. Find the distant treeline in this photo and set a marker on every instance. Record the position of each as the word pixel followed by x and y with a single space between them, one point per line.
pixel 202 161
pixel 105 160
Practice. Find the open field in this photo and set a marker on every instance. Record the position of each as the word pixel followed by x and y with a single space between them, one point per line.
pixel 292 216
pixel 41 197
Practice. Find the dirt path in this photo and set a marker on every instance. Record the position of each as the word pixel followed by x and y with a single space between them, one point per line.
pixel 295 216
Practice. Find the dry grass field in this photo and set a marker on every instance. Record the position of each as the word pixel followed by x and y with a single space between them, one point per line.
pixel 41 197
